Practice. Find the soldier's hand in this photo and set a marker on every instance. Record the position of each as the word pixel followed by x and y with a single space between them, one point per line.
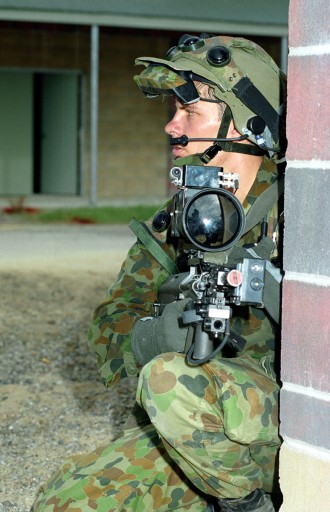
pixel 154 336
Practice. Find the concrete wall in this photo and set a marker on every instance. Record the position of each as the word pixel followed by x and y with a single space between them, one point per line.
pixel 305 397
pixel 212 16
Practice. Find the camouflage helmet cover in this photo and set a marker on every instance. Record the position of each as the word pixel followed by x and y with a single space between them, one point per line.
pixel 239 71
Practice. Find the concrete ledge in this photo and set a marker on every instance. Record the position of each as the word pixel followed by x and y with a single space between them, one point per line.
pixel 304 477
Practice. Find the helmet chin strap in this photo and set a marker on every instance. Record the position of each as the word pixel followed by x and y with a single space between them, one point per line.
pixel 230 146
pixel 226 145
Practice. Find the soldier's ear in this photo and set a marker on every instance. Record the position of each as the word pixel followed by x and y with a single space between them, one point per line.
pixel 232 132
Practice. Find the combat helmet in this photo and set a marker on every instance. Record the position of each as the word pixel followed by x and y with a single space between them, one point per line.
pixel 240 73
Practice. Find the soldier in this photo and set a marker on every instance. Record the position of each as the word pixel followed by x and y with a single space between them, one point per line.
pixel 201 437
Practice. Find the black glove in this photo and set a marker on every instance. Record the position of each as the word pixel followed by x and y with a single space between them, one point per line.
pixel 154 336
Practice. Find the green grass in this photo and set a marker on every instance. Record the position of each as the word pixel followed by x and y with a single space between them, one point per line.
pixel 97 215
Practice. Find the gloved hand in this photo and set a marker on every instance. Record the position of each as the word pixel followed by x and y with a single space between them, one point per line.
pixel 154 336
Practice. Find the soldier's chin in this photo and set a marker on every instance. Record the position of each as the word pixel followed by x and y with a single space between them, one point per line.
pixel 177 152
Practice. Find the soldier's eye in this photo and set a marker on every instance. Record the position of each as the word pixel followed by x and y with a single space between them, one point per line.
pixel 190 111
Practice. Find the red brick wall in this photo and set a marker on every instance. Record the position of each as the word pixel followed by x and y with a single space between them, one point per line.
pixel 305 398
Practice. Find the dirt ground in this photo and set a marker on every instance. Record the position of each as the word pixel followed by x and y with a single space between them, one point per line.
pixel 52 403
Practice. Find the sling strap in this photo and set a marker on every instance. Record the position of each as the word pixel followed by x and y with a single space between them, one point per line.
pixel 264 203
pixel 149 241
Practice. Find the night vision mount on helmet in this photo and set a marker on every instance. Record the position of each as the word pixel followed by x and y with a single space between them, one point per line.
pixel 240 73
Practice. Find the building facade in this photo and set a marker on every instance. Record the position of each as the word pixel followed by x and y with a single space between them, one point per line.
pixel 54 138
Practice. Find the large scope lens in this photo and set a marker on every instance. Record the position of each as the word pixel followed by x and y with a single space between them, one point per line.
pixel 213 220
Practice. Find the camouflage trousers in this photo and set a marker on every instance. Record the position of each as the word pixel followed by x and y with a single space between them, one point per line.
pixel 213 431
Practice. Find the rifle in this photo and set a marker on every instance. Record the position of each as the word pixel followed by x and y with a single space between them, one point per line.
pixel 212 289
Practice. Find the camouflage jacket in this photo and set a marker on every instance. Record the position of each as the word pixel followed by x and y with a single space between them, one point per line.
pixel 134 291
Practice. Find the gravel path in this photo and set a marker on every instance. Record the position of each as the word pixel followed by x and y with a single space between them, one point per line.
pixel 51 401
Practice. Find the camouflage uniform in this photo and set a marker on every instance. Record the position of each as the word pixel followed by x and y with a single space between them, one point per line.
pixel 201 430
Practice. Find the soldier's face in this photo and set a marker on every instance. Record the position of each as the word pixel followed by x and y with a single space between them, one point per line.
pixel 200 119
